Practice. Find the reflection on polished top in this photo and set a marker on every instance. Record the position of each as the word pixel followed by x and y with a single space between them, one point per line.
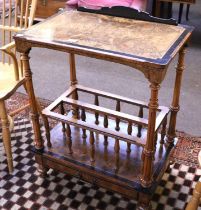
pixel 137 38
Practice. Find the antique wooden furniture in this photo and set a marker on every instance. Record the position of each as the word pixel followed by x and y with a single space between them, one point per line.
pixel 47 8
pixel 108 147
pixel 182 2
pixel 196 198
pixel 15 16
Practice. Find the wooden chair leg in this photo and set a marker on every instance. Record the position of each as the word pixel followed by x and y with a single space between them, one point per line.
pixel 195 200
pixel 169 9
pixel 187 11
pixel 6 135
pixel 180 12
pixel 11 122
pixel 158 8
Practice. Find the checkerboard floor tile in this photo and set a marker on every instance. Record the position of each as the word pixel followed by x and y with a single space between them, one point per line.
pixel 24 189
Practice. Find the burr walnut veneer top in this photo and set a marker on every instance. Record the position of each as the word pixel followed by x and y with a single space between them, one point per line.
pixel 125 36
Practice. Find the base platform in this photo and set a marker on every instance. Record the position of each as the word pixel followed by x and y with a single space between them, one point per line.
pixel 117 173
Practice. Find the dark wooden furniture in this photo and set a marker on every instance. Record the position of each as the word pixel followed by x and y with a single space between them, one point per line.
pixel 106 147
pixel 47 8
pixel 182 2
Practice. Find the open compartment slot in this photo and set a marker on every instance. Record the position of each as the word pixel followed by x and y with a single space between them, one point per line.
pixel 112 123
pixel 104 138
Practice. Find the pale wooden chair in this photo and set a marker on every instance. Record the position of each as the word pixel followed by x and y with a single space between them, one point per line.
pixel 15 15
pixel 196 198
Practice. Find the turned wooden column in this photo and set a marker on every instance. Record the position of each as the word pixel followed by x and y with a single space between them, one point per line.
pixel 148 151
pixel 175 101
pixel 73 81
pixel 33 103
pixel 73 78
pixel 144 202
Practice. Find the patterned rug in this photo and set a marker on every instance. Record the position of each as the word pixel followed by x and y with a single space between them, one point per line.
pixel 24 189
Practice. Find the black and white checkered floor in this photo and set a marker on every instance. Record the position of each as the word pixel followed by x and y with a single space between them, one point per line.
pixel 24 189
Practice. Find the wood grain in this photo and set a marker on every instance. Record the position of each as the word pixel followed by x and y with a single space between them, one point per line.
pixel 109 33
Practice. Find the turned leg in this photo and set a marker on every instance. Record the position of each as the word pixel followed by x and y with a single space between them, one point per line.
pixel 45 121
pixel 42 171
pixel 175 101
pixel 46 125
pixel 41 168
pixel 73 77
pixel 62 112
pixel 144 202
pixel 6 135
pixel 148 151
pixel 47 130
pixel 73 80
pixel 33 103
pixel 38 141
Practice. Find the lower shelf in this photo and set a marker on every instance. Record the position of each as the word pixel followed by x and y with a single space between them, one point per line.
pixel 117 172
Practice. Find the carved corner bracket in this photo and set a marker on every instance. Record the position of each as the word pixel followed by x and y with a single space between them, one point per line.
pixel 21 45
pixel 155 76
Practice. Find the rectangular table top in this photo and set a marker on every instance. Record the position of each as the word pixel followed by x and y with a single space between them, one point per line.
pixel 121 38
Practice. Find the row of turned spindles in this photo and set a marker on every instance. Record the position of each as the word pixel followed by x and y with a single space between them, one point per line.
pixel 67 129
pixel 92 147
pixel 118 109
pixel 105 121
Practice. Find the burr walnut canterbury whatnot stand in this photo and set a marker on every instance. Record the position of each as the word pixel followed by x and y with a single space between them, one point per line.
pixel 107 147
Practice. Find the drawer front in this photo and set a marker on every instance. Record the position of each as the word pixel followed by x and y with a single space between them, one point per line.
pixel 46 8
